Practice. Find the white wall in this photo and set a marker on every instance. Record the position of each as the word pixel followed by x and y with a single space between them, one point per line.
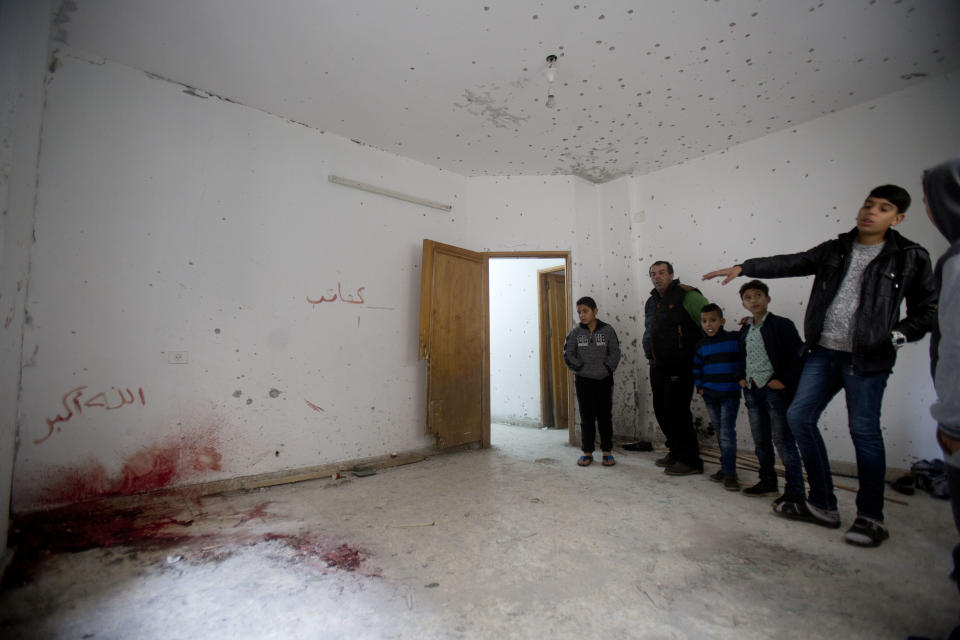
pixel 515 340
pixel 791 190
pixel 169 222
pixel 24 28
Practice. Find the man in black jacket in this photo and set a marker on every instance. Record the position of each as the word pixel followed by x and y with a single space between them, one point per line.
pixel 853 330
pixel 670 336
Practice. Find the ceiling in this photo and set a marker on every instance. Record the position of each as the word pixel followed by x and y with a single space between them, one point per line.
pixel 640 85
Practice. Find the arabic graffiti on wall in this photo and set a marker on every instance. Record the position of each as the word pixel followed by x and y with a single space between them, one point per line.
pixel 349 298
pixel 74 405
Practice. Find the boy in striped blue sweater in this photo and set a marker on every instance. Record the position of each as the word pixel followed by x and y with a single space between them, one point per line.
pixel 717 371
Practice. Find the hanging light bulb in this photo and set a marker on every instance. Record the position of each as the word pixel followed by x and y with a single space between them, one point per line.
pixel 551 69
pixel 551 76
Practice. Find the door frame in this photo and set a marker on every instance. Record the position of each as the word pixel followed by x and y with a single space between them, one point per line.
pixel 568 306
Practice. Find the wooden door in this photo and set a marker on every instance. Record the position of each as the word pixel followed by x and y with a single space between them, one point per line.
pixel 554 388
pixel 455 343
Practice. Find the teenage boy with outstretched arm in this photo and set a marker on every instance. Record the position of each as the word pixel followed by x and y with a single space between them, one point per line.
pixel 853 330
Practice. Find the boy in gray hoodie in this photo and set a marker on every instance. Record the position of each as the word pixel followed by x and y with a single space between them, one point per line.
pixel 941 194
pixel 592 352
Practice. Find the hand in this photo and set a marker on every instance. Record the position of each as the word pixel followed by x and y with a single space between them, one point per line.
pixel 700 391
pixel 744 321
pixel 949 445
pixel 729 274
pixel 898 339
pixel 776 385
pixel 743 383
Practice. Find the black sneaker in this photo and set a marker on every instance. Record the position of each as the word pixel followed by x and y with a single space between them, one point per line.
pixel 806 512
pixel 762 488
pixel 665 461
pixel 730 483
pixel 717 477
pixel 682 469
pixel 866 533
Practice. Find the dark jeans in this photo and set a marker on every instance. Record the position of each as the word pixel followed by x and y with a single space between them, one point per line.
pixel 767 409
pixel 595 398
pixel 825 373
pixel 723 414
pixel 672 393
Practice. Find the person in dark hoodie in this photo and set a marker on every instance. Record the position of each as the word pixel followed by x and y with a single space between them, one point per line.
pixel 852 329
pixel 592 352
pixel 941 191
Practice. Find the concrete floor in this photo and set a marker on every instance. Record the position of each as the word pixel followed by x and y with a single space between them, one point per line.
pixel 510 542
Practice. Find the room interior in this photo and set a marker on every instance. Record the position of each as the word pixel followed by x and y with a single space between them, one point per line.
pixel 198 301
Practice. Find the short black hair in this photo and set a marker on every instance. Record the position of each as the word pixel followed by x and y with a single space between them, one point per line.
pixel 897 195
pixel 710 308
pixel 588 301
pixel 669 266
pixel 755 284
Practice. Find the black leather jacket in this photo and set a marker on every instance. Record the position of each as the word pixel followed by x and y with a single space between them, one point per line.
pixel 901 272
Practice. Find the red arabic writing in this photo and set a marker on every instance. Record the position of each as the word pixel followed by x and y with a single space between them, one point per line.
pixel 71 401
pixel 333 296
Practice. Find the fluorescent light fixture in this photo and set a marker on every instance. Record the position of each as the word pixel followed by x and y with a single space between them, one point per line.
pixel 363 186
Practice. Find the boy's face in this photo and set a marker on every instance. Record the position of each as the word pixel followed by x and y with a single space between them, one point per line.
pixel 711 321
pixel 587 315
pixel 661 277
pixel 877 215
pixel 755 301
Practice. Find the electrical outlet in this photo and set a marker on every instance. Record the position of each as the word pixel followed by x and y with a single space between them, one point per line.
pixel 178 357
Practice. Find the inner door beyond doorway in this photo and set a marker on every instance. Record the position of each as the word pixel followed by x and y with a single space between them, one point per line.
pixel 554 390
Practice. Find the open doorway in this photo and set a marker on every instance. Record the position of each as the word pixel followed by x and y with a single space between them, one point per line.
pixel 454 341
pixel 529 319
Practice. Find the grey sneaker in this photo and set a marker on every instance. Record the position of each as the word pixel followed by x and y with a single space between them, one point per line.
pixel 866 532
pixel 806 512
pixel 717 477
pixel 682 469
pixel 665 461
pixel 730 483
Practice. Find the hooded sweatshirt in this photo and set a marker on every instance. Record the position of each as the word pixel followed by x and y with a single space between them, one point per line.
pixel 592 354
pixel 941 186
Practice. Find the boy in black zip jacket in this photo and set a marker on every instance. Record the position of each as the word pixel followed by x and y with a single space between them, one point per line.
pixel 771 350
pixel 853 330
pixel 592 352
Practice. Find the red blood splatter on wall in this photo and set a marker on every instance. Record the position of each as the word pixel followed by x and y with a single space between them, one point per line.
pixel 152 468
pixel 187 458
pixel 207 458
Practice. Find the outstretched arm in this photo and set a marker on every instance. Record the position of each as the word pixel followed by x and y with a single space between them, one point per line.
pixel 787 265
pixel 728 274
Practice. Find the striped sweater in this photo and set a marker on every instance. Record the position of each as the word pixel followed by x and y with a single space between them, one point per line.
pixel 718 365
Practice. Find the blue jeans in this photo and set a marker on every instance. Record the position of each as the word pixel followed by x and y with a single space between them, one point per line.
pixel 767 409
pixel 723 414
pixel 825 372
